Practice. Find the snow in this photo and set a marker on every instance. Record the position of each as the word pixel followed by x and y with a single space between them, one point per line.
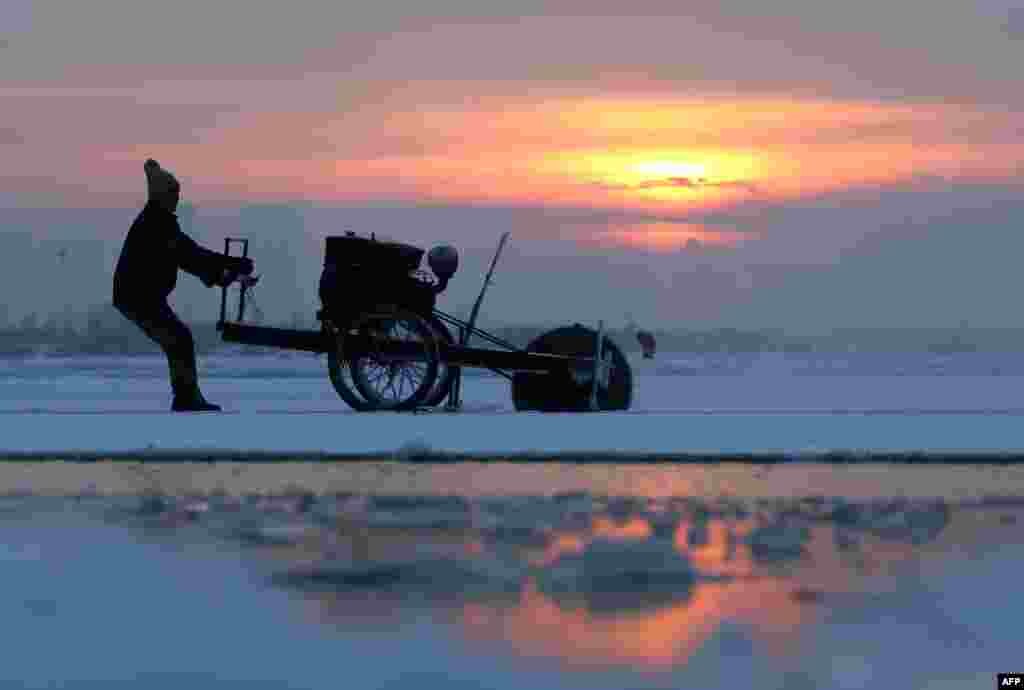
pixel 728 404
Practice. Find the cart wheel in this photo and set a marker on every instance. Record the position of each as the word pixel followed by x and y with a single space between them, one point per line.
pixel 340 374
pixel 445 373
pixel 558 392
pixel 387 382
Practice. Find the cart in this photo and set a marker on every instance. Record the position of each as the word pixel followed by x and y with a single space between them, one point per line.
pixel 390 349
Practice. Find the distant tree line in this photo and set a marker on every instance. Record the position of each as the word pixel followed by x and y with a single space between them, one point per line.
pixel 104 331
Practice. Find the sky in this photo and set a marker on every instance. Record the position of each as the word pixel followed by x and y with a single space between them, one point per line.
pixel 804 164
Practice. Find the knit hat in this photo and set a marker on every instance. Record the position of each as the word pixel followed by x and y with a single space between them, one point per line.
pixel 160 182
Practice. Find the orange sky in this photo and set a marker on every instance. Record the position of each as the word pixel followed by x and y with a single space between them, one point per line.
pixel 648 155
pixel 644 154
pixel 657 110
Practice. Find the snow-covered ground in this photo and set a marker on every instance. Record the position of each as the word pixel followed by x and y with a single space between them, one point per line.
pixel 683 403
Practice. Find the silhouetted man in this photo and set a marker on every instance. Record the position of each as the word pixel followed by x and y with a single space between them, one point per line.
pixel 147 272
pixel 647 344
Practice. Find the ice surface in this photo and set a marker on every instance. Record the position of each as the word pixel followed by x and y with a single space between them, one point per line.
pixel 683 403
pixel 607 593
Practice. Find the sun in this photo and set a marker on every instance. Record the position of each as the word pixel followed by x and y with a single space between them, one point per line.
pixel 639 171
pixel 661 170
pixel 686 178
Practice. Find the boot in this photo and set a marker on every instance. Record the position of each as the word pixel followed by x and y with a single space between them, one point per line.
pixel 193 405
pixel 185 385
pixel 192 400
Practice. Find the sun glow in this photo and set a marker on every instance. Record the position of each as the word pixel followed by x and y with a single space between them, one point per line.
pixel 652 155
pixel 669 237
pixel 669 169
pixel 695 176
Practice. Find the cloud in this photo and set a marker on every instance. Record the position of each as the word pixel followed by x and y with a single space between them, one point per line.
pixel 689 183
pixel 810 51
pixel 450 107
pixel 802 46
pixel 1014 25
pixel 9 136
pixel 661 237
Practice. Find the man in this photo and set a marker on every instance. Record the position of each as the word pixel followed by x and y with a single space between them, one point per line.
pixel 647 344
pixel 147 272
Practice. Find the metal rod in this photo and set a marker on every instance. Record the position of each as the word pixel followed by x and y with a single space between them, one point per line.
pixel 224 288
pixel 453 355
pixel 598 362
pixel 466 330
pixel 494 340
pixel 500 372
pixel 479 332
pixel 241 286
pixel 285 338
pixel 487 282
pixel 455 392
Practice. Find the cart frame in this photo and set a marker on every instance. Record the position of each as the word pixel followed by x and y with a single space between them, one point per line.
pixel 591 371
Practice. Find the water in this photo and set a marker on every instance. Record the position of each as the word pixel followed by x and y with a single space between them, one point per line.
pixel 558 577
pixel 574 591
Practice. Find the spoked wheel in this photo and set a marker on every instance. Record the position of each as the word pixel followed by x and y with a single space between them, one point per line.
pixel 445 373
pixel 396 365
pixel 340 374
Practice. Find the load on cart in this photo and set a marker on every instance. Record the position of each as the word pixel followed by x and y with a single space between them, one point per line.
pixel 389 348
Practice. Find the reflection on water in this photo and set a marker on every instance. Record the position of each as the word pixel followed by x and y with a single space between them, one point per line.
pixel 572 591
pixel 592 583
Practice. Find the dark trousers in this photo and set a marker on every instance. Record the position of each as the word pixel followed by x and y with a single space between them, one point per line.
pixel 162 325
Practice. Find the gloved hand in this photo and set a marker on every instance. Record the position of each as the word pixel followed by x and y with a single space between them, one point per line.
pixel 240 265
pixel 234 267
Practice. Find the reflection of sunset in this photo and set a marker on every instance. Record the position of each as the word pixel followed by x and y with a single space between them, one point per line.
pixel 667 577
pixel 633 528
pixel 652 638
pixel 657 639
pixel 539 627
pixel 759 601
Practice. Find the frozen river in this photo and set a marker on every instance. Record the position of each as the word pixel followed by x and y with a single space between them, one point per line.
pixel 771 403
pixel 382 575
pixel 574 591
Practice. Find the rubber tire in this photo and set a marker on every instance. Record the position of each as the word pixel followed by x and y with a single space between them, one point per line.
pixel 445 376
pixel 558 392
pixel 430 379
pixel 341 378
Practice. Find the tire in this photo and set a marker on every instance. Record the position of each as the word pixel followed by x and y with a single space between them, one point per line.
pixel 558 392
pixel 402 326
pixel 340 374
pixel 445 373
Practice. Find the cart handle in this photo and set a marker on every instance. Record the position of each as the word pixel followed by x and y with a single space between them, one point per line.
pixel 228 241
